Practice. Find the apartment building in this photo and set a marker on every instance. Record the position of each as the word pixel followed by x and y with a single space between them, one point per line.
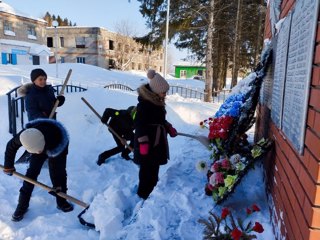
pixel 22 37
pixel 100 47
pixel 28 40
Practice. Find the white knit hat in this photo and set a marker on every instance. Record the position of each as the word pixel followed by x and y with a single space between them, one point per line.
pixel 33 140
pixel 157 83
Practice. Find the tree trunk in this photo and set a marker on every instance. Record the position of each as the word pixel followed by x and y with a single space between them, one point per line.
pixel 209 59
pixel 259 33
pixel 235 67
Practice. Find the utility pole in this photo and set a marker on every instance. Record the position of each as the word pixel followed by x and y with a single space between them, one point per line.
pixel 166 41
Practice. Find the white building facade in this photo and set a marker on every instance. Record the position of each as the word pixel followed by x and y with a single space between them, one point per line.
pixel 22 38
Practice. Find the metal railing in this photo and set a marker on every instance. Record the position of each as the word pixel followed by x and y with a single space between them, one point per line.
pixel 16 105
pixel 220 96
pixel 119 86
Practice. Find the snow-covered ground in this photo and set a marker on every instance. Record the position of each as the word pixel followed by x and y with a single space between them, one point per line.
pixel 177 203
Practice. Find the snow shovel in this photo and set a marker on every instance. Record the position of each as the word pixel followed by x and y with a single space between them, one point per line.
pixel 60 94
pixel 55 192
pixel 123 141
pixel 24 158
pixel 202 139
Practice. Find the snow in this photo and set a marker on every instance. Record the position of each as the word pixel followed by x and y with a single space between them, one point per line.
pixel 8 9
pixel 176 204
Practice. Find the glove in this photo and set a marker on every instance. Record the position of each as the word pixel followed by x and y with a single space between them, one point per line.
pixel 105 117
pixel 144 148
pixel 9 171
pixel 61 100
pixel 172 131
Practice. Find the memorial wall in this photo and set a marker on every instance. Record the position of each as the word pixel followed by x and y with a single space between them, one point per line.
pixel 293 57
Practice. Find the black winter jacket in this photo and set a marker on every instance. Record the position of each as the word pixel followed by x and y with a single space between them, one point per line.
pixel 55 135
pixel 39 101
pixel 150 122
pixel 120 121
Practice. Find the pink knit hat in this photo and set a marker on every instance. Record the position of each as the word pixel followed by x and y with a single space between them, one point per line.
pixel 157 83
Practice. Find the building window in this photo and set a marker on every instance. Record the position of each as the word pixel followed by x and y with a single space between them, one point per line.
pixel 132 66
pixel 139 66
pixel 183 73
pixel 49 42
pixel 62 59
pixel 8 28
pixel 111 45
pixel 81 60
pixel 62 41
pixel 31 31
pixel 80 42
pixel 9 58
pixel 112 63
pixel 200 72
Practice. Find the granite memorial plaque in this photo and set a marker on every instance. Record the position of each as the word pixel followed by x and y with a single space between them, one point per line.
pixel 299 67
pixel 281 55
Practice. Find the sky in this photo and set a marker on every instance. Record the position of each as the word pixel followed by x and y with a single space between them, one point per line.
pixel 176 204
pixel 95 13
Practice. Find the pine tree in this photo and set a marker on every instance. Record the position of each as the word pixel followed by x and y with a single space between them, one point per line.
pixel 189 25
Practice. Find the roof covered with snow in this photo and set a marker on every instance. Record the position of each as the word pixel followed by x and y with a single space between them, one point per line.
pixel 189 64
pixel 8 9
pixel 36 49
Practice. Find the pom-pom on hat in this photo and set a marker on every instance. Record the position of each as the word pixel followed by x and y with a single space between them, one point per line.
pixel 157 83
pixel 36 73
pixel 33 140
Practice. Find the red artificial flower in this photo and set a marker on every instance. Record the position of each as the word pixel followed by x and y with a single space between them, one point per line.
pixel 225 164
pixel 258 228
pixel 216 167
pixel 208 190
pixel 249 211
pixel 225 212
pixel 255 208
pixel 223 134
pixel 236 234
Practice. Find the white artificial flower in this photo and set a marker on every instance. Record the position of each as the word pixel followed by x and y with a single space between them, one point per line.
pixel 234 159
pixel 202 166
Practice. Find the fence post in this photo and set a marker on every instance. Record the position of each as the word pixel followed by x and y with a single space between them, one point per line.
pixel 10 113
pixel 13 117
pixel 21 112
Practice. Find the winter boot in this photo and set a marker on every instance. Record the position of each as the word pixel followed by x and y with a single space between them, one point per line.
pixel 125 154
pixel 18 214
pixel 100 160
pixel 65 206
pixel 103 156
pixel 22 208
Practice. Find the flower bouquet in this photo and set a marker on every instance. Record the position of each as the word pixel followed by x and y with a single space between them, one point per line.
pixel 232 154
pixel 226 227
pixel 224 174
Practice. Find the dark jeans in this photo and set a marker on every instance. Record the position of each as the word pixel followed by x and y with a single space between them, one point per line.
pixel 119 148
pixel 57 172
pixel 148 177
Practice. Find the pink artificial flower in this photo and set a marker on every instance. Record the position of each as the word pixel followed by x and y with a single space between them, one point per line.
pixel 225 164
pixel 215 167
pixel 219 177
